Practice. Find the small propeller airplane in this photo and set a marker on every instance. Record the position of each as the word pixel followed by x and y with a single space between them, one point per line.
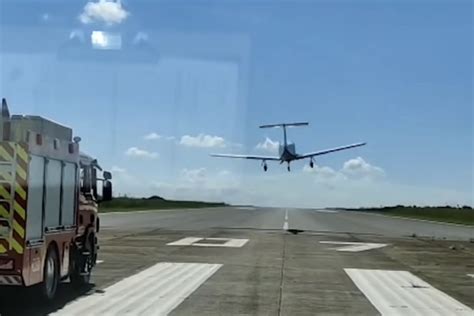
pixel 287 150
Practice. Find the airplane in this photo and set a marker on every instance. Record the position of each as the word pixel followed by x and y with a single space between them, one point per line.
pixel 287 151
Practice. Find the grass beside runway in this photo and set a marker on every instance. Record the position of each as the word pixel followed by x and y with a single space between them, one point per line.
pixel 448 214
pixel 128 204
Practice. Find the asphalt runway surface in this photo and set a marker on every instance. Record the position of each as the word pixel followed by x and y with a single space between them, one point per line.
pixel 269 261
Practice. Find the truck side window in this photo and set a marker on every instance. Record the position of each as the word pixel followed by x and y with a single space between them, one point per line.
pixel 86 185
pixel 94 182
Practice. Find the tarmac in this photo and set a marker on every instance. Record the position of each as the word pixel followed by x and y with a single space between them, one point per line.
pixel 269 261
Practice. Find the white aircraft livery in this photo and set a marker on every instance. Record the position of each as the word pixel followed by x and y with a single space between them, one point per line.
pixel 287 151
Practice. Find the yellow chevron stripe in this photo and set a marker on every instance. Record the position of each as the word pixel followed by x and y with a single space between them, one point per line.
pixel 20 191
pixel 4 154
pixel 4 213
pixel 20 230
pixel 20 210
pixel 21 152
pixel 4 193
pixel 7 175
pixel 2 249
pixel 15 245
pixel 20 172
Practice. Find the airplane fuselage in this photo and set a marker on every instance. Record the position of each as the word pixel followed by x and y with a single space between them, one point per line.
pixel 287 152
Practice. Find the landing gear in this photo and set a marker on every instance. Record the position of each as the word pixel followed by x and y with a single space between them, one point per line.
pixel 311 163
pixel 288 168
pixel 265 167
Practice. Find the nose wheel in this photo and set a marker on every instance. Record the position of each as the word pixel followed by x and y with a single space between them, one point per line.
pixel 288 167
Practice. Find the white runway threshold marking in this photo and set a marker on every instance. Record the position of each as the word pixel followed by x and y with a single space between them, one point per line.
pixel 354 246
pixel 209 242
pixel 155 291
pixel 402 293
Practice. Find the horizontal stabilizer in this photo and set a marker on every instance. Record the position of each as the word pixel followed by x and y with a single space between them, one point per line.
pixel 285 125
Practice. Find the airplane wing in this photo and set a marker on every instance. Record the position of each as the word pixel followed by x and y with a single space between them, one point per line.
pixel 247 157
pixel 327 151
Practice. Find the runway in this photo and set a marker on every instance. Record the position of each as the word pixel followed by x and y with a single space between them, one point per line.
pixel 274 219
pixel 241 261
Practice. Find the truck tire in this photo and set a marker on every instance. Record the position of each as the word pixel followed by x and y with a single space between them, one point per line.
pixel 82 269
pixel 50 282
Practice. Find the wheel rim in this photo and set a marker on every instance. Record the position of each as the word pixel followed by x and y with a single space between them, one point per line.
pixel 50 275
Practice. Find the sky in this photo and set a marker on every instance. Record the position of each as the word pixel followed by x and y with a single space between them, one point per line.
pixel 154 87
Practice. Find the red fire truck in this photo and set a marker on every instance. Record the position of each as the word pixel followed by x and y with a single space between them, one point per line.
pixel 48 204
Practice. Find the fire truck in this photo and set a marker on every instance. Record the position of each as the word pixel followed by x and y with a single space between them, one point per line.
pixel 48 204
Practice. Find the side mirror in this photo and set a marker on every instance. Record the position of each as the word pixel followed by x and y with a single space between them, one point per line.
pixel 107 175
pixel 106 190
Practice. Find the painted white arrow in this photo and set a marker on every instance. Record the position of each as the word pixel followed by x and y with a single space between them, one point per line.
pixel 354 246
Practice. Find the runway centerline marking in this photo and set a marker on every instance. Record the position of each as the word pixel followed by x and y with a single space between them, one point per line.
pixel 402 293
pixel 155 291
pixel 285 223
pixel 210 242
pixel 354 246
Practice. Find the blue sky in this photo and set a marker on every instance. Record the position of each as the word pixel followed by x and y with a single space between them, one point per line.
pixel 199 77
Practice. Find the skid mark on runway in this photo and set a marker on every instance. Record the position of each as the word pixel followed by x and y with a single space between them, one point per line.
pixel 155 291
pixel 354 246
pixel 402 293
pixel 210 242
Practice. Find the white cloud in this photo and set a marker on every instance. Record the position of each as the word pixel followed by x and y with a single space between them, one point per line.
pixel 77 34
pixel 202 184
pixel 106 11
pixel 269 145
pixel 323 172
pixel 152 136
pixel 117 169
pixel 360 168
pixel 140 153
pixel 203 141
pixel 193 175
pixel 140 37
pixel 356 168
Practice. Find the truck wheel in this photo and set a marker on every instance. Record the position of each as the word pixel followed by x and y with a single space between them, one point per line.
pixel 50 275
pixel 83 265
